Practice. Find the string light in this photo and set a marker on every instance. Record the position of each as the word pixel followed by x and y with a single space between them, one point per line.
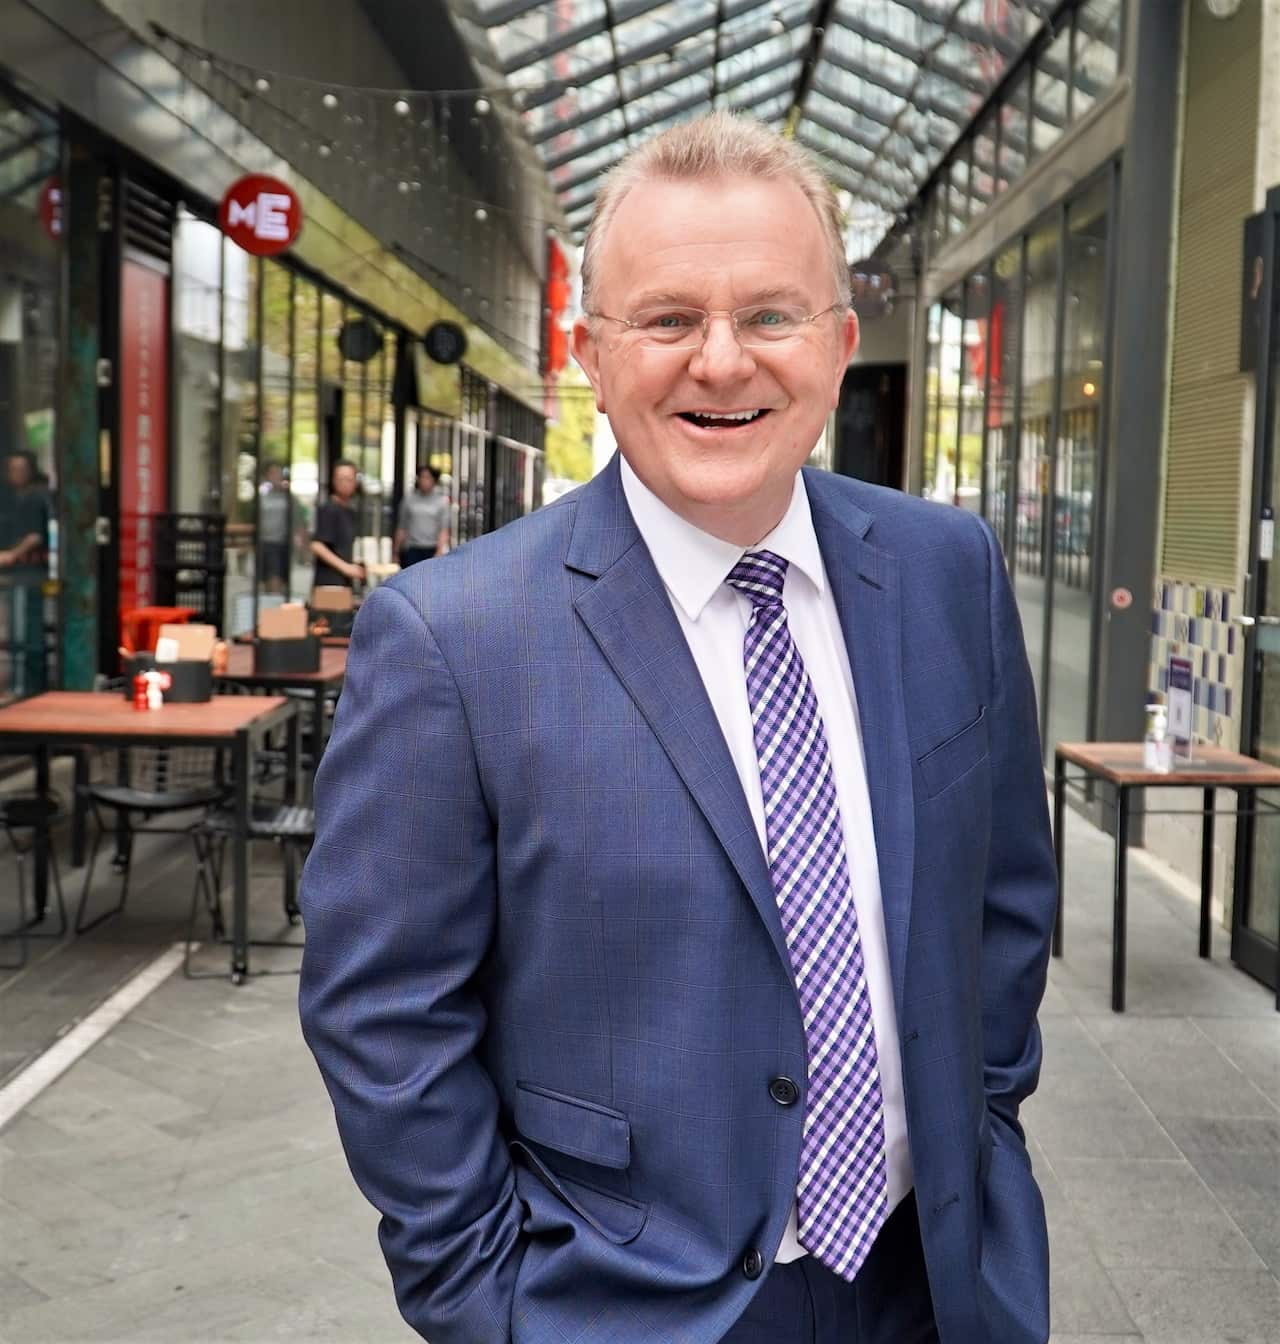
pixel 330 100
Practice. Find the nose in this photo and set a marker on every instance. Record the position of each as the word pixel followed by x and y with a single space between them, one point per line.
pixel 721 356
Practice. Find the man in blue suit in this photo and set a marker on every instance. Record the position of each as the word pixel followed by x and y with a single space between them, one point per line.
pixel 680 904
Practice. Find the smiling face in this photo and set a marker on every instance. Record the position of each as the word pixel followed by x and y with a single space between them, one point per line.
pixel 717 431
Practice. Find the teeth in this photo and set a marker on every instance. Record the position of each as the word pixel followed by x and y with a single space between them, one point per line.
pixel 725 415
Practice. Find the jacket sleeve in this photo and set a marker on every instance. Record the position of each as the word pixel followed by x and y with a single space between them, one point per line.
pixel 1021 891
pixel 399 901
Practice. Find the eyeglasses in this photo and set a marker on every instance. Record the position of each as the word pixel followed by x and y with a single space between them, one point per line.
pixel 760 324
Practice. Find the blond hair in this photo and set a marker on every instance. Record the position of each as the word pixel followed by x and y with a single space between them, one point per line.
pixel 717 145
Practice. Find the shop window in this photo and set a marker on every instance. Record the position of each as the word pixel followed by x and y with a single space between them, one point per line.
pixel 950 357
pixel 1004 324
pixel 1076 461
pixel 30 303
pixel 274 465
pixel 197 354
pixel 1039 352
pixel 304 436
pixel 932 393
pixel 972 400
pixel 241 358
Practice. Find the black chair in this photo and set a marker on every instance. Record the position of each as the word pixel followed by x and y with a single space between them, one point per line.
pixel 291 826
pixel 151 787
pixel 27 813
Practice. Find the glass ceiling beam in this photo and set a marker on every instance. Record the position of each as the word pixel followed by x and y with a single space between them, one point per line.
pixel 939 139
pixel 631 56
pixel 500 14
pixel 552 46
pixel 672 73
pixel 759 97
pixel 904 93
pixel 855 177
pixel 865 142
pixel 682 105
pixel 909 51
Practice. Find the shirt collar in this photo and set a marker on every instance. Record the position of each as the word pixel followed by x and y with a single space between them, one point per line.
pixel 693 564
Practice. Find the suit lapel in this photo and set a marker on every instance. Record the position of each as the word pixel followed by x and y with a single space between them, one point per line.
pixel 866 586
pixel 629 615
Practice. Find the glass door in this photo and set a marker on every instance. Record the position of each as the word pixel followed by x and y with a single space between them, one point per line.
pixel 1255 918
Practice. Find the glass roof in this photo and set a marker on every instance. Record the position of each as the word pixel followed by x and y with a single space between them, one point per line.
pixel 879 89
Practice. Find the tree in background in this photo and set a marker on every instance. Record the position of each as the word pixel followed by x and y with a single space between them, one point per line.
pixel 570 436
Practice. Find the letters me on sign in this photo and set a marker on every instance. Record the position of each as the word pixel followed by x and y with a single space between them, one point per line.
pixel 261 214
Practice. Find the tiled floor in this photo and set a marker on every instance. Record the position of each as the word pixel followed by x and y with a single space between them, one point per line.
pixel 182 1182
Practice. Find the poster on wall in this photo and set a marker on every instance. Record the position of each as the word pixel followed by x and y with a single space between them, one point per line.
pixel 1180 695
pixel 144 401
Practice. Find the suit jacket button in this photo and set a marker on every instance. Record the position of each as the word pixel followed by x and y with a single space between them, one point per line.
pixel 753 1264
pixel 784 1091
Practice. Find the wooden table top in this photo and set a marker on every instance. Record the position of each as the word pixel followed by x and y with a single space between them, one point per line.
pixel 86 715
pixel 333 667
pixel 1121 763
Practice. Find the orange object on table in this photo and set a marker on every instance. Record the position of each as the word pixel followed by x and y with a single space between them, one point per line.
pixel 140 627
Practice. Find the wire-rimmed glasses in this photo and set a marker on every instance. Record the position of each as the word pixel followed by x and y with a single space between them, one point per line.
pixel 671 327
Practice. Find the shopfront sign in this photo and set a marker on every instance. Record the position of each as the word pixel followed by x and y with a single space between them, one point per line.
pixel 261 214
pixel 144 443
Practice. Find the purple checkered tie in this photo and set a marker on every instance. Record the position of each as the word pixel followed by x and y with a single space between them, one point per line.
pixel 840 1193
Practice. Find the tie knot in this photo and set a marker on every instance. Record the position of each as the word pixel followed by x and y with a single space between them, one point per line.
pixel 759 575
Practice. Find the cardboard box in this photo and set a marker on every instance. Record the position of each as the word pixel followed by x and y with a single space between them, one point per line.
pixel 332 597
pixel 288 621
pixel 193 642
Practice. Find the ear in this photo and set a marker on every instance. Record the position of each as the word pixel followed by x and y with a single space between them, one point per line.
pixel 848 346
pixel 586 350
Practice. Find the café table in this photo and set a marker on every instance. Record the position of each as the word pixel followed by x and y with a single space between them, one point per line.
pixel 44 724
pixel 316 685
pixel 1119 764
pixel 326 641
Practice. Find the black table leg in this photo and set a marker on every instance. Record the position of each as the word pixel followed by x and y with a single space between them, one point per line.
pixel 293 759
pixel 1206 873
pixel 317 727
pixel 1059 842
pixel 80 809
pixel 240 876
pixel 1119 914
pixel 41 841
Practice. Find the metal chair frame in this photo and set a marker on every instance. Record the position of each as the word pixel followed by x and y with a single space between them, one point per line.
pixel 14 817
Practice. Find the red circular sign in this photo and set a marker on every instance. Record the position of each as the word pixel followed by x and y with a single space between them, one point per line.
pixel 1121 599
pixel 261 214
pixel 49 208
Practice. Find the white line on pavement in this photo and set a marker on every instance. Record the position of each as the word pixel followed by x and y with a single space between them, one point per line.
pixel 22 1090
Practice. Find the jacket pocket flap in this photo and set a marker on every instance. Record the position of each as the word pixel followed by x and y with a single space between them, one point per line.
pixel 615 1217
pixel 950 759
pixel 583 1129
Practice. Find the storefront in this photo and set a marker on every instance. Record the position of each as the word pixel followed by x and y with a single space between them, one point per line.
pixel 1015 378
pixel 30 303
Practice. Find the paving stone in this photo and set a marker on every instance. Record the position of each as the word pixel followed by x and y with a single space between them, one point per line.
pixel 1202 1307
pixel 1152 1215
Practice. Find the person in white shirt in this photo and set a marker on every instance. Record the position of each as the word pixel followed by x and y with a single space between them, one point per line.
pixel 682 889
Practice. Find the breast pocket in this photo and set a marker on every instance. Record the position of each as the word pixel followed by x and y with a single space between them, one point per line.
pixel 944 765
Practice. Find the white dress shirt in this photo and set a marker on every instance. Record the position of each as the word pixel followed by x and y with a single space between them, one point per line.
pixel 693 566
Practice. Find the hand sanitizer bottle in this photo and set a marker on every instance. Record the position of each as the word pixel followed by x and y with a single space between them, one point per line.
pixel 1157 746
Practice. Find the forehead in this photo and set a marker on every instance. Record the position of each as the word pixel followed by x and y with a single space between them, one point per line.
pixel 714 239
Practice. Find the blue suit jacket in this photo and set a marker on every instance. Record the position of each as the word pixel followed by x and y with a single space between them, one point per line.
pixel 545 977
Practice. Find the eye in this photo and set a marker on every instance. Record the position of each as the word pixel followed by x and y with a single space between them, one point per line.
pixel 665 319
